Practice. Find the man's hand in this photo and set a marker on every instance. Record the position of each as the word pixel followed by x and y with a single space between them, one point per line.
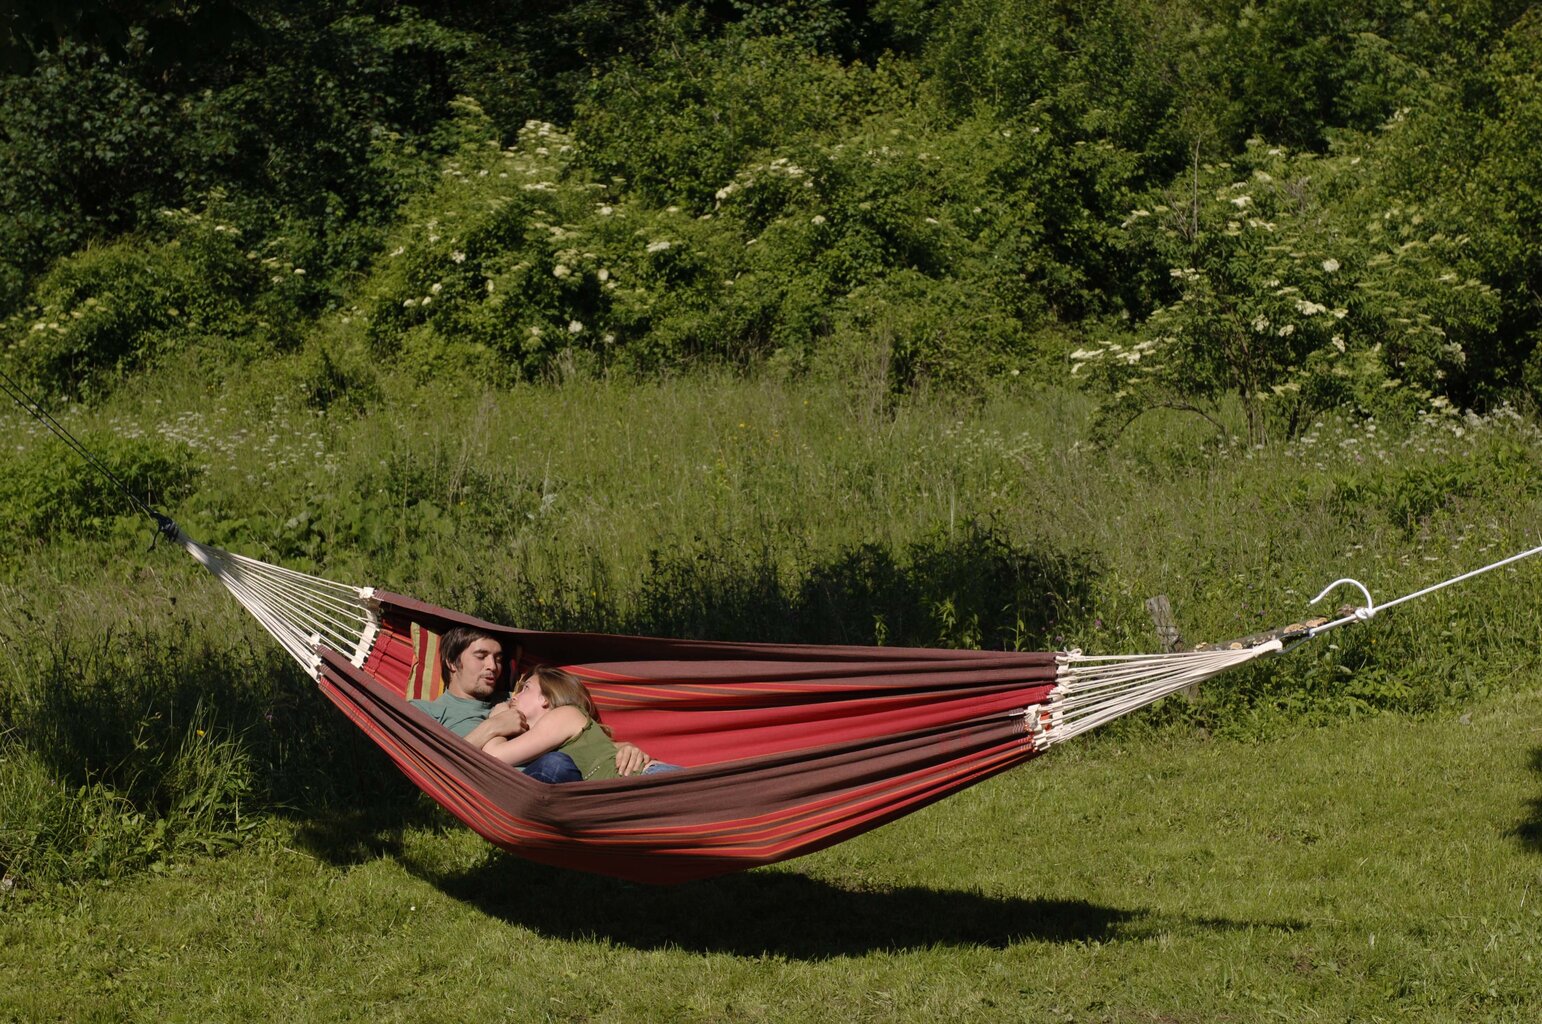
pixel 502 722
pixel 630 759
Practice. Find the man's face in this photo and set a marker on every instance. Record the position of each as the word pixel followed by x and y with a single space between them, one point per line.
pixel 476 673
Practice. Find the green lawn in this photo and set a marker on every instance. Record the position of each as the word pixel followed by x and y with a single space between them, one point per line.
pixel 1381 869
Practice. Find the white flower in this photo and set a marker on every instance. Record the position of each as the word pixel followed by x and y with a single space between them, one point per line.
pixel 603 275
pixel 817 219
pixel 457 257
pixel 1286 331
pixel 560 270
pixel 535 332
pixel 1242 202
pixel 1260 324
pixel 574 327
pixel 300 271
pixel 1330 265
pixel 606 211
pixel 658 246
pixel 436 288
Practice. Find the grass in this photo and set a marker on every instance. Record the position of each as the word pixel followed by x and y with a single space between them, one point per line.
pixel 188 832
pixel 1384 869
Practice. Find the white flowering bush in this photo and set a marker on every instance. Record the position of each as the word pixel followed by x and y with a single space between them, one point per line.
pixel 111 309
pixel 1296 285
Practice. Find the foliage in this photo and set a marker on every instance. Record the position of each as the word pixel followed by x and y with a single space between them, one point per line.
pixel 1297 293
pixel 48 493
pixel 108 310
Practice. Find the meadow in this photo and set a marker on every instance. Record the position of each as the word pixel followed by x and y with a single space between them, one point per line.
pixel 1350 831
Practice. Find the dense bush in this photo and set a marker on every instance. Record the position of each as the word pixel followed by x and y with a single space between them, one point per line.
pixel 49 493
pixel 1300 287
pixel 753 183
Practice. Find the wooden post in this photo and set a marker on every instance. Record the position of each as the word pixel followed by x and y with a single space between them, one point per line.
pixel 1161 612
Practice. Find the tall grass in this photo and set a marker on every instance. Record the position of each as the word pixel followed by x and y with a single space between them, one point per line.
pixel 727 508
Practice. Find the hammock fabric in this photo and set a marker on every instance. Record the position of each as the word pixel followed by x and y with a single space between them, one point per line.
pixel 794 747
pixel 785 749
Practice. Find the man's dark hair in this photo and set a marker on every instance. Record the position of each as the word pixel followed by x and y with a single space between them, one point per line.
pixel 454 643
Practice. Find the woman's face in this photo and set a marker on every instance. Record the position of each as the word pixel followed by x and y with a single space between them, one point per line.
pixel 530 701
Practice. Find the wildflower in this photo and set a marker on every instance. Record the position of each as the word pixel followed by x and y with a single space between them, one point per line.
pixel 457 257
pixel 299 270
pixel 574 327
pixel 560 270
pixel 1286 331
pixel 1242 202
pixel 436 288
pixel 817 219
pixel 658 246
pixel 1330 265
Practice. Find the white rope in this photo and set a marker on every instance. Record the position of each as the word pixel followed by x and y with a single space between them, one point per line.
pixel 300 611
pixel 1371 608
pixel 1092 691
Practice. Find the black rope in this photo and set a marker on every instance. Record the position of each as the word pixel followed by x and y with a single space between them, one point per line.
pixel 163 523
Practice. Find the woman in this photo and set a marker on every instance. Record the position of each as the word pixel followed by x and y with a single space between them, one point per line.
pixel 558 716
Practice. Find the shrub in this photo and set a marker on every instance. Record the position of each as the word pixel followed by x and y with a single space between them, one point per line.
pixel 1299 286
pixel 111 309
pixel 49 492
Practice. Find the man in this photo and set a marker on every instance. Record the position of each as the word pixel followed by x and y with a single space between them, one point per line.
pixel 472 661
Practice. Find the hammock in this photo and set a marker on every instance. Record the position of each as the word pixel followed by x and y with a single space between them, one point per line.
pixel 786 748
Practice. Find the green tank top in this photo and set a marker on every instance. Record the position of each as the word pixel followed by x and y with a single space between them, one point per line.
pixel 593 752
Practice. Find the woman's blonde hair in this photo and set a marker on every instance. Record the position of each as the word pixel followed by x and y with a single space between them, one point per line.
pixel 562 688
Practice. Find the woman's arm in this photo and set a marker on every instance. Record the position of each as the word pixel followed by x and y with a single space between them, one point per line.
pixel 554 729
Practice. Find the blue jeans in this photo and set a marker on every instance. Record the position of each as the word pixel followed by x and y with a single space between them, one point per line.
pixel 659 766
pixel 553 766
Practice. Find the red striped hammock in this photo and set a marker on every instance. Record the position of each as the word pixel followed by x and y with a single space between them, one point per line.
pixel 786 749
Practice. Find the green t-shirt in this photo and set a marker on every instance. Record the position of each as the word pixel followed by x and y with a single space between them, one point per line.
pixel 457 714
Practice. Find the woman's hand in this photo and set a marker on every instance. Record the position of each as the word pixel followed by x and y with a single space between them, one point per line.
pixel 630 759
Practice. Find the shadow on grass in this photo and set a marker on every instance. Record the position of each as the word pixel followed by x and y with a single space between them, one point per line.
pixel 785 914
pixel 967 587
pixel 1529 831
